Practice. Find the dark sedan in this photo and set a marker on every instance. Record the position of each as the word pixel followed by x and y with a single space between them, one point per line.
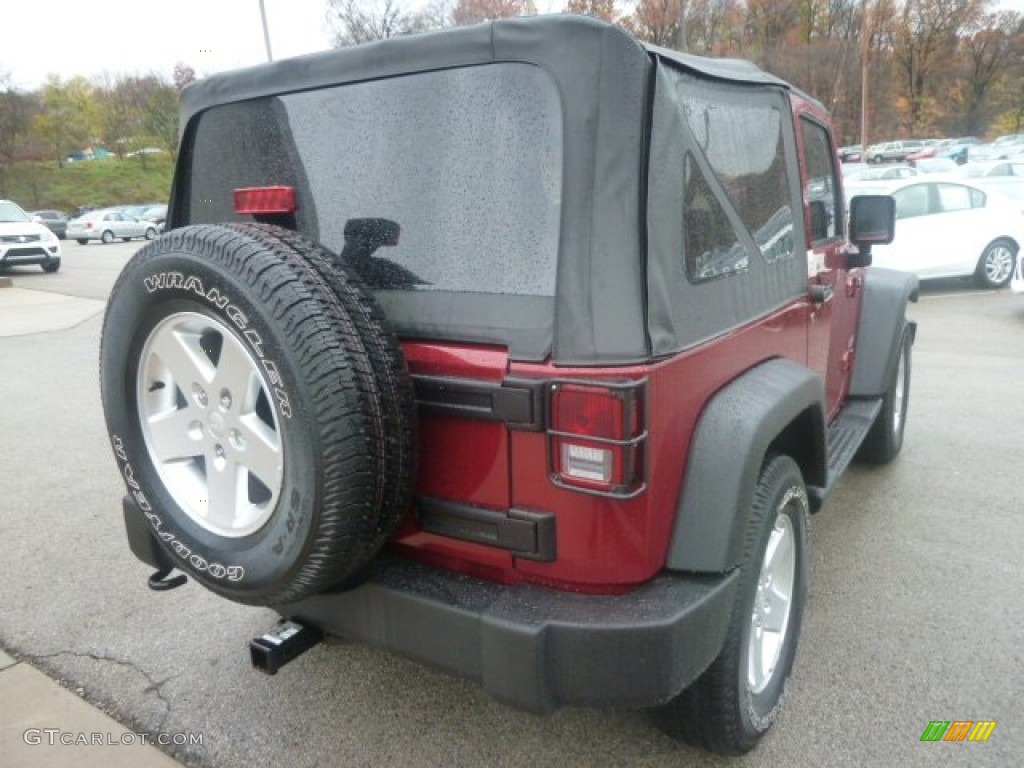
pixel 55 221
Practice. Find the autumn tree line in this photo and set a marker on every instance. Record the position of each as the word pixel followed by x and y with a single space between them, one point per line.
pixel 933 68
pixel 122 114
pixel 930 67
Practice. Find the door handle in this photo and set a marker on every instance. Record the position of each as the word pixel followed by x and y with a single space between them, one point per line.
pixel 821 293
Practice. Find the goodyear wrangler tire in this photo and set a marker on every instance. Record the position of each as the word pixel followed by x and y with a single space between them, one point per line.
pixel 259 409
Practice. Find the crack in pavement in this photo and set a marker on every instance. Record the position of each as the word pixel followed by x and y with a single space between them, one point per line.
pixel 154 685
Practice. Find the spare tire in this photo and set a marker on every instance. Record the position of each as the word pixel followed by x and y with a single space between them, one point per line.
pixel 259 408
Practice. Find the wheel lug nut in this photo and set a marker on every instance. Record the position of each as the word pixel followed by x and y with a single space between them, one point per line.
pixel 225 399
pixel 219 450
pixel 200 394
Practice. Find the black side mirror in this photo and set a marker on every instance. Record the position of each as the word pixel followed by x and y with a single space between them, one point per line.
pixel 872 220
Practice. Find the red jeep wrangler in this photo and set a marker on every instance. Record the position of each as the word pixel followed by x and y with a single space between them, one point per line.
pixel 523 349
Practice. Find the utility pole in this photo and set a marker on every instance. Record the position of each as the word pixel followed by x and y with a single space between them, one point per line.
pixel 266 31
pixel 865 62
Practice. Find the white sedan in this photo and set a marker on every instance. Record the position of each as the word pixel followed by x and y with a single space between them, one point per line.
pixel 949 228
pixel 107 226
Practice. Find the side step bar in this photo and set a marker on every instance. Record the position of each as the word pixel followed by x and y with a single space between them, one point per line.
pixel 844 437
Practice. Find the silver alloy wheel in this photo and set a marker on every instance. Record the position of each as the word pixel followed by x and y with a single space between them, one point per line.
pixel 998 263
pixel 210 424
pixel 899 397
pixel 772 604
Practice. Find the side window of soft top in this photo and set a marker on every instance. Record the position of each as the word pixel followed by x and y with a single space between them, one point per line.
pixel 737 188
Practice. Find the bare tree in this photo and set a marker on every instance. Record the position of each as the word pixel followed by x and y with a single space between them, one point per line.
pixel 989 54
pixel 656 22
pixel 925 36
pixel 357 21
pixel 183 75
pixel 601 9
pixel 15 119
pixel 476 11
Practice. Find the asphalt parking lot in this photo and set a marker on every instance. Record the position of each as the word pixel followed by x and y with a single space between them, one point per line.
pixel 914 612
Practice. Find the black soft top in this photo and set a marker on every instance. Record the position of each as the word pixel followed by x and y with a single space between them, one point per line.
pixel 607 84
pixel 502 40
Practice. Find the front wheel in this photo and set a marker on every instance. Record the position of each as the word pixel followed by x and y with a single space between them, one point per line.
pixel 107 237
pixel 885 439
pixel 51 266
pixel 734 703
pixel 995 267
pixel 150 233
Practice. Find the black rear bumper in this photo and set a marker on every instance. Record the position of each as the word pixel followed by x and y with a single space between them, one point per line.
pixel 531 647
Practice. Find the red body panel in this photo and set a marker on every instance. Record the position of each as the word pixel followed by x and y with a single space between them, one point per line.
pixel 604 544
pixel 832 330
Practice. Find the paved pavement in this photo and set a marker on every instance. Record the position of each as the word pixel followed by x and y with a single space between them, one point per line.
pixel 914 611
pixel 42 724
pixel 25 311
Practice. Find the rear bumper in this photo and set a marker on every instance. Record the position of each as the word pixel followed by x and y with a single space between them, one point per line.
pixel 531 647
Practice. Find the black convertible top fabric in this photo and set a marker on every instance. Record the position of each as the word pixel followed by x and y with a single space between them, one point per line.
pixel 606 82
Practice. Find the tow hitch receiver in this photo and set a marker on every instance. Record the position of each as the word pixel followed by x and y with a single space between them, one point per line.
pixel 286 641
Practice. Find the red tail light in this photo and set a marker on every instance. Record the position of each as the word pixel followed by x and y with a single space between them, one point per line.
pixel 265 200
pixel 597 437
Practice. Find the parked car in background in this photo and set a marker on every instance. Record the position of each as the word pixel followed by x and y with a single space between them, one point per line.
pixel 1014 168
pixel 959 150
pixel 107 225
pixel 935 165
pixel 24 241
pixel 156 214
pixel 1002 148
pixel 892 151
pixel 851 154
pixel 82 210
pixel 893 172
pixel 1009 187
pixel 949 228
pixel 55 221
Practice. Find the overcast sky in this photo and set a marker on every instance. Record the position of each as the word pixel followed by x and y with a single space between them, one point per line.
pixel 93 37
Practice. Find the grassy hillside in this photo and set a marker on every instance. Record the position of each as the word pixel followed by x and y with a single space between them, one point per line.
pixel 99 182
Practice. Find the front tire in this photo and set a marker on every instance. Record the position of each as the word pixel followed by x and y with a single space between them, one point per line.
pixel 107 237
pixel 995 267
pixel 885 439
pixel 734 703
pixel 51 266
pixel 246 416
pixel 150 233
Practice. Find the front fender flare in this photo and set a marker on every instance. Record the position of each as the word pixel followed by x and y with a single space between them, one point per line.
pixel 880 331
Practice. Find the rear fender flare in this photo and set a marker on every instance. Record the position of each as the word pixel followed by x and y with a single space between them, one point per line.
pixel 735 432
